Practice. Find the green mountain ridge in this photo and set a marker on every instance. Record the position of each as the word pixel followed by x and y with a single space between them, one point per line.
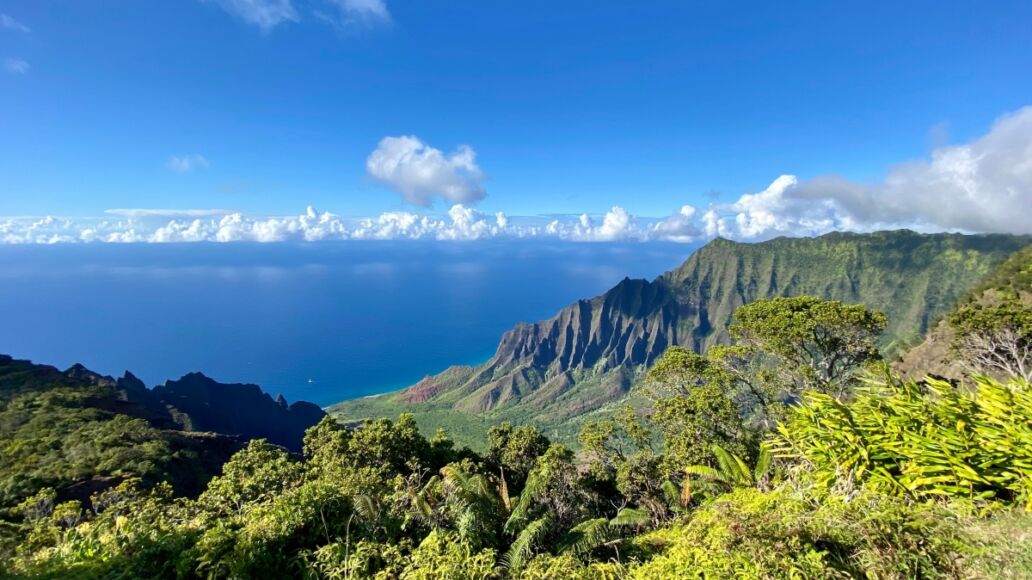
pixel 935 354
pixel 81 432
pixel 558 372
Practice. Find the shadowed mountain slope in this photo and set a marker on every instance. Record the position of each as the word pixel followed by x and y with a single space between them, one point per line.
pixel 81 432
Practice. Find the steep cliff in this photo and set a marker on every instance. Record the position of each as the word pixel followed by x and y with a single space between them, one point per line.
pixel 557 371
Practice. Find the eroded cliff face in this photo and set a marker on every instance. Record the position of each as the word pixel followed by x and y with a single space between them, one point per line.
pixel 591 352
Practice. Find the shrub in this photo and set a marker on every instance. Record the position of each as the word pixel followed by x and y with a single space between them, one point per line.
pixel 930 439
pixel 791 533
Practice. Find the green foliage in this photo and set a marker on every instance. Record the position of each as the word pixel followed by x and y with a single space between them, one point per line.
pixel 691 424
pixel 56 438
pixel 548 567
pixel 257 474
pixel 931 439
pixel 789 533
pixel 732 471
pixel 514 451
pixel 446 556
pixel 1001 546
pixel 819 344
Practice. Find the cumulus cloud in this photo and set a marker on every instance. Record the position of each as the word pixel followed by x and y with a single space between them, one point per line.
pixel 265 14
pixel 617 224
pixel 10 23
pixel 421 173
pixel 186 163
pixel 984 185
pixel 168 226
pixel 679 227
pixel 981 186
pixel 16 66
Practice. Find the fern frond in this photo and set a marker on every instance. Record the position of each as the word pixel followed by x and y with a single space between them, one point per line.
pixel 705 472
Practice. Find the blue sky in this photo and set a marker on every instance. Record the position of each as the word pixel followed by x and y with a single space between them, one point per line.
pixel 569 107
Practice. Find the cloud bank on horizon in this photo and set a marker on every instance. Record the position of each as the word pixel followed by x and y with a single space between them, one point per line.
pixel 981 186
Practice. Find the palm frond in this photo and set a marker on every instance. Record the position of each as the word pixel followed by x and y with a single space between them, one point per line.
pixel 631 517
pixel 587 536
pixel 527 543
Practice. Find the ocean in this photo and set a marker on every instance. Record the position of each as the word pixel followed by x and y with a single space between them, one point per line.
pixel 321 322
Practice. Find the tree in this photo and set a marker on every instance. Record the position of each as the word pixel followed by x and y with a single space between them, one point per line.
pixel 552 502
pixel 995 339
pixel 607 443
pixel 818 344
pixel 512 453
pixel 388 447
pixel 693 408
pixel 258 473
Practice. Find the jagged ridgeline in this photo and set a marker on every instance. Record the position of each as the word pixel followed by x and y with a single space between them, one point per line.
pixel 558 372
pixel 80 432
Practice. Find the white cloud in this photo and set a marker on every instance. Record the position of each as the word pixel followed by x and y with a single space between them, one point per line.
pixel 984 185
pixel 679 227
pixel 265 14
pixel 16 66
pixel 421 173
pixel 187 163
pixel 11 24
pixel 617 224
pixel 158 226
pixel 172 213
pixel 351 13
pixel 981 186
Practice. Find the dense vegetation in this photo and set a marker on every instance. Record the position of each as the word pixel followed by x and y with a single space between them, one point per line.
pixel 80 433
pixel 69 432
pixel 790 452
pixel 581 365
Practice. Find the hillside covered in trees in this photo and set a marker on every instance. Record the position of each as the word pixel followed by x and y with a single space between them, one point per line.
pixel 79 432
pixel 790 450
pixel 582 364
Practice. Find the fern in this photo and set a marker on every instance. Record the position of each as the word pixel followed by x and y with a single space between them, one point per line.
pixel 526 543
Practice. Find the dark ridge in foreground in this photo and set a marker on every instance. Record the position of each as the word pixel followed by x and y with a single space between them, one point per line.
pixel 81 432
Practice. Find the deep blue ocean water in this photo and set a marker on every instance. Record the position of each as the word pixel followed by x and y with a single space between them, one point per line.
pixel 321 322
